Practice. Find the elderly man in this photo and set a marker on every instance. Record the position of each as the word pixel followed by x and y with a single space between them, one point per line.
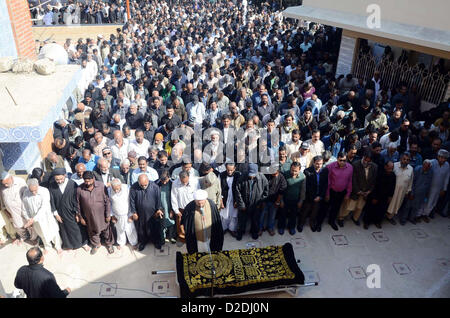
pixel 134 118
pixel 77 177
pixel 35 280
pixel 119 147
pixel 63 201
pixel 140 145
pixel 121 216
pixel 146 211
pixel 404 180
pixel 53 161
pixel 210 183
pixel 414 207
pixel 125 172
pixel 202 224
pixel 104 173
pixel 37 212
pixel 11 194
pixel 439 183
pixel 182 193
pixel 98 143
pixel 94 212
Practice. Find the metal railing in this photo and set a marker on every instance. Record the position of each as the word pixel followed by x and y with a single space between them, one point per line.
pixel 432 86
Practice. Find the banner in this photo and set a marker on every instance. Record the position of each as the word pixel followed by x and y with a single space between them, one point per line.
pixel 237 271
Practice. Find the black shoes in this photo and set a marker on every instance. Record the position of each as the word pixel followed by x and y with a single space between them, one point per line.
pixel 239 236
pixel 334 226
pixel 392 221
pixel 141 247
pixel 318 228
pixel 281 231
pixel 299 228
pixel 366 226
pixel 340 223
pixel 292 231
pixel 378 225
pixel 255 236
pixel 357 223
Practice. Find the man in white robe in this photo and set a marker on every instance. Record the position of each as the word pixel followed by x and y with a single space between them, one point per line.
pixel 37 212
pixel 228 211
pixel 404 180
pixel 11 192
pixel 120 213
pixel 439 183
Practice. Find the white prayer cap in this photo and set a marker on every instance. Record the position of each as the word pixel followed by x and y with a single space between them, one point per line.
pixel 200 195
pixel 443 153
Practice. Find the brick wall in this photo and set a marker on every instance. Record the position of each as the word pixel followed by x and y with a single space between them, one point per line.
pixel 20 18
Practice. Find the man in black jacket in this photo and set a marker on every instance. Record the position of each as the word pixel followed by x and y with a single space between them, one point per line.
pixel 252 190
pixel 35 280
pixel 277 186
pixel 316 188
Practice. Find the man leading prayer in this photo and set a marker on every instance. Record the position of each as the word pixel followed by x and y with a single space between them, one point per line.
pixel 202 224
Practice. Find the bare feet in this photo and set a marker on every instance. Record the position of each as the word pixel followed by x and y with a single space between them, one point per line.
pixel 86 248
pixel 45 251
pixel 59 251
pixel 118 247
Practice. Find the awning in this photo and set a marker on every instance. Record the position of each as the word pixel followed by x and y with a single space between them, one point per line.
pixel 422 36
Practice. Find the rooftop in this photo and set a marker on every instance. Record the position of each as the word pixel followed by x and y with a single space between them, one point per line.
pixel 36 95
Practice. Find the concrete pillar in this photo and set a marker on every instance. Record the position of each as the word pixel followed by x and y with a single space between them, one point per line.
pixel 347 52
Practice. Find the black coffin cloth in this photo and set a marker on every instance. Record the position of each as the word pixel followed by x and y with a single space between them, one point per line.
pixel 237 271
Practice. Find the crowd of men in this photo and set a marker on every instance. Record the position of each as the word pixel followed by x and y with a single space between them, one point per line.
pixel 68 12
pixel 230 103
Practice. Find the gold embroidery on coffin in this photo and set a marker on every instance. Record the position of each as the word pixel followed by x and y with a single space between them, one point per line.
pixel 236 268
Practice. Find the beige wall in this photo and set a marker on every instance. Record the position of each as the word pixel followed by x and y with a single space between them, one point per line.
pixel 431 14
pixel 74 32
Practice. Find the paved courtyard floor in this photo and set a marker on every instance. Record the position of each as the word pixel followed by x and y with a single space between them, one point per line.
pixel 414 262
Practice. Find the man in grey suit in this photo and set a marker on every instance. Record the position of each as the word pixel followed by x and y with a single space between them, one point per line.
pixel 363 183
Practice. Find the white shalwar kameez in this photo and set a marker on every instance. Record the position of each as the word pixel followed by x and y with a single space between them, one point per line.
pixel 229 214
pixel 403 185
pixel 39 209
pixel 120 209
pixel 438 183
